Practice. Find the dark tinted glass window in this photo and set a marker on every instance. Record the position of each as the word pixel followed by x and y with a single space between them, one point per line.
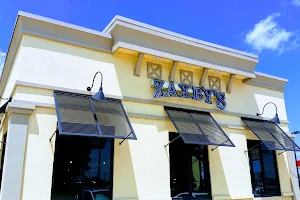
pixel 189 170
pixel 82 168
pixel 264 174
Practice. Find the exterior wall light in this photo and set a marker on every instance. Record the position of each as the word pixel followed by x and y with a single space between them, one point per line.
pixel 276 118
pixel 99 95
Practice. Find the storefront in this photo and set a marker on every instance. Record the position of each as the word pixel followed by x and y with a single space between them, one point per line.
pixel 174 118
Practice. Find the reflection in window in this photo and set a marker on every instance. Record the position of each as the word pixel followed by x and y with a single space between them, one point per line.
pixel 189 170
pixel 263 168
pixel 82 168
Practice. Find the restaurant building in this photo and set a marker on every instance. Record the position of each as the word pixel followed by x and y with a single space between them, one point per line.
pixel 174 118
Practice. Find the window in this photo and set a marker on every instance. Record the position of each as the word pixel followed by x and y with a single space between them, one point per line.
pixel 263 168
pixel 189 170
pixel 82 168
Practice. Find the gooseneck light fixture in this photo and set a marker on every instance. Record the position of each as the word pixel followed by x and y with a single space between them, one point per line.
pixel 276 118
pixel 99 95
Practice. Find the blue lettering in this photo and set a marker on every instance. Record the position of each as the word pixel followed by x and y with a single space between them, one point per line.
pixel 171 92
pixel 220 100
pixel 197 93
pixel 184 90
pixel 208 93
pixel 158 84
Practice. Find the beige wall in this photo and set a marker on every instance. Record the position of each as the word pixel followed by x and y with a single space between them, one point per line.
pixel 51 64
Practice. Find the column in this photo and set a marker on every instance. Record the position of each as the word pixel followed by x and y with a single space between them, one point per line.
pixel 11 186
pixel 293 172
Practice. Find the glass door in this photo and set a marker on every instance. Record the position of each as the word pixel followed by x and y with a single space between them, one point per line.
pixel 200 172
pixel 189 168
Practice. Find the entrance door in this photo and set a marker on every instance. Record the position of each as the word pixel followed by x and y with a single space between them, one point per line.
pixel 82 168
pixel 189 170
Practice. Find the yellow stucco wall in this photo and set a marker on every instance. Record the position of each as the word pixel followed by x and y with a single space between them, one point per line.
pixel 141 167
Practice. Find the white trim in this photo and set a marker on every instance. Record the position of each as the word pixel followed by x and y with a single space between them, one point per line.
pixel 258 84
pixel 176 36
pixel 186 42
pixel 130 114
pixel 66 40
pixel 36 104
pixel 21 105
pixel 64 24
pixel 180 58
pixel 51 87
pixel 271 76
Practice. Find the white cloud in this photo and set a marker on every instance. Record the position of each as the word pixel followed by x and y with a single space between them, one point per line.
pixel 2 60
pixel 296 2
pixel 268 35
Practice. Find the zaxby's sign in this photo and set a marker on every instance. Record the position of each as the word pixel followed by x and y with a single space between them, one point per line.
pixel 164 89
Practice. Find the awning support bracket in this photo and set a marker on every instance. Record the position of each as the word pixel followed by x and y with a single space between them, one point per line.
pixel 229 86
pixel 202 82
pixel 253 147
pixel 124 139
pixel 137 70
pixel 55 132
pixel 172 141
pixel 219 145
pixel 281 152
pixel 172 76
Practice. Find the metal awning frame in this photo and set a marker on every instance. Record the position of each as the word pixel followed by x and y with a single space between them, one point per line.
pixel 263 142
pixel 95 117
pixel 200 130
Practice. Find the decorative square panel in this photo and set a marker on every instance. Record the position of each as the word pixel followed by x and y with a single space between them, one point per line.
pixel 214 83
pixel 154 71
pixel 186 77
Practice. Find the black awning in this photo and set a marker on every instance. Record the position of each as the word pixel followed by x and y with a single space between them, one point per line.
pixel 271 135
pixel 197 127
pixel 75 116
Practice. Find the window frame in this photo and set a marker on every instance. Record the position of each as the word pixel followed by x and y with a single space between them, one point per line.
pixel 262 168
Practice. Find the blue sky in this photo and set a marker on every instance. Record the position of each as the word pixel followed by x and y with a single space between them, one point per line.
pixel 268 28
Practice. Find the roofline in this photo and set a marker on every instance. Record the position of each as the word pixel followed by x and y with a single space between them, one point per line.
pixel 271 76
pixel 17 33
pixel 112 23
pixel 64 24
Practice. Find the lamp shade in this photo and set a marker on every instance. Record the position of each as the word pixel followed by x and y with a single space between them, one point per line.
pixel 275 119
pixel 99 96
